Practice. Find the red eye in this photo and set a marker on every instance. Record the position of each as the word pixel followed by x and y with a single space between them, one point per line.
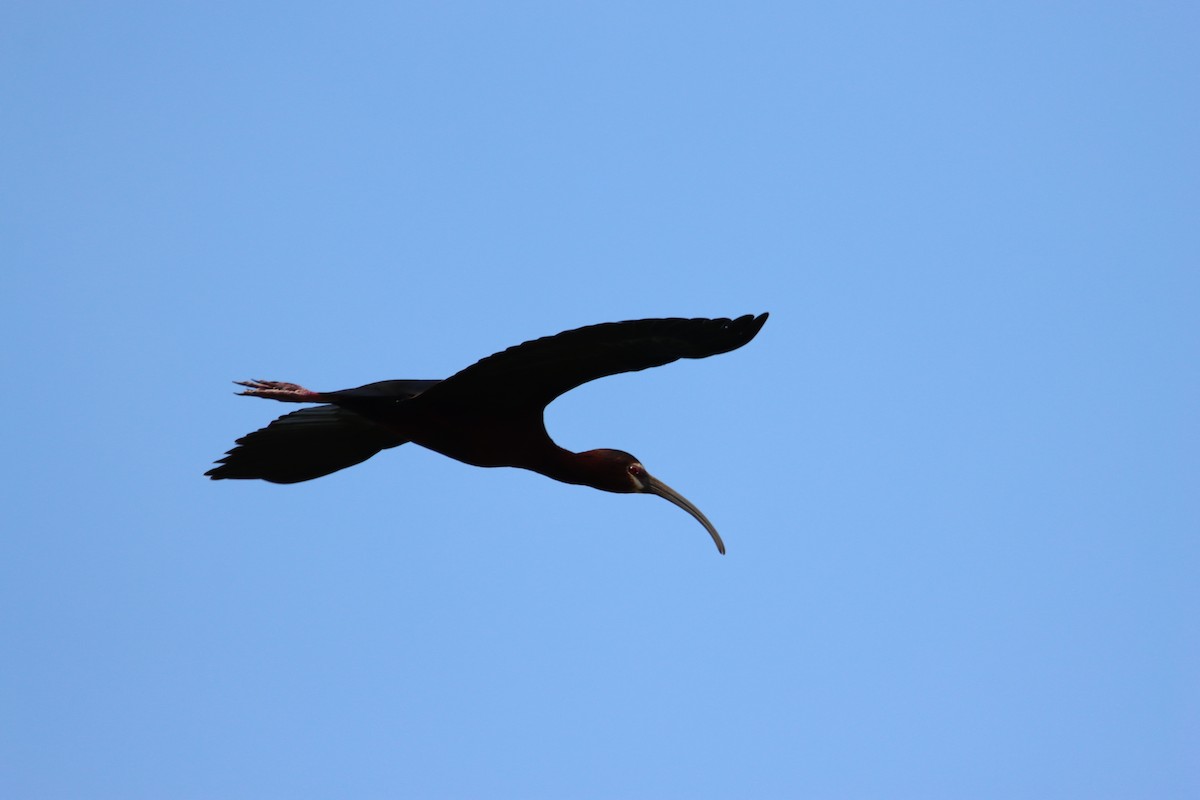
pixel 636 469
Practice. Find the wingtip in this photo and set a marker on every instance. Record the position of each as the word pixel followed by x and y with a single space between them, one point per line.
pixel 753 324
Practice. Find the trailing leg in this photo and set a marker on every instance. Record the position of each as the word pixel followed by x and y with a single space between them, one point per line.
pixel 278 390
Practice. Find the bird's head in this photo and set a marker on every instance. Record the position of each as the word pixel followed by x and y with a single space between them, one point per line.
pixel 618 471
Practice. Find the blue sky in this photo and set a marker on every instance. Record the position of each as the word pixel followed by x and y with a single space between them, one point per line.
pixel 956 472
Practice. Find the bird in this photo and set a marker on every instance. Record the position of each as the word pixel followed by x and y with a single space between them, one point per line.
pixel 490 414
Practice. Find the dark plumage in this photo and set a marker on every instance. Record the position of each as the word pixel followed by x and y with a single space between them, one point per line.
pixel 489 414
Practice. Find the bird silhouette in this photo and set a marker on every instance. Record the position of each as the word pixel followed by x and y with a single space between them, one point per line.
pixel 488 415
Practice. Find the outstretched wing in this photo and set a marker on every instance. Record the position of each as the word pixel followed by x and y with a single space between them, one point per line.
pixel 536 372
pixel 316 441
pixel 303 445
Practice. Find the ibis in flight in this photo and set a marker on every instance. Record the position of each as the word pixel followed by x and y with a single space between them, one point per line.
pixel 489 414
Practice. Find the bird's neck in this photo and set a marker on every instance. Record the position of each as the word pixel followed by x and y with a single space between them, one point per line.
pixel 593 468
pixel 561 465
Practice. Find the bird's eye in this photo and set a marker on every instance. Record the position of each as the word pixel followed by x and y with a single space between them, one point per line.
pixel 636 469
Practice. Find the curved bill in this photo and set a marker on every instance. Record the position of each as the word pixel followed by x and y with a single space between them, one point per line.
pixel 655 486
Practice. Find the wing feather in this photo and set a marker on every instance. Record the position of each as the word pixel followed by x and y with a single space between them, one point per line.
pixel 538 371
pixel 316 441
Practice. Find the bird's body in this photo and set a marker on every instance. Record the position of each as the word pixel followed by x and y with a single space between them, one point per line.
pixel 488 415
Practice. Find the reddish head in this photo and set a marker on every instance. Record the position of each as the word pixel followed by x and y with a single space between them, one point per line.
pixel 618 471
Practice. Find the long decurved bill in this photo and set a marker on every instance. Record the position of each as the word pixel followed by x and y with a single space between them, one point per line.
pixel 655 486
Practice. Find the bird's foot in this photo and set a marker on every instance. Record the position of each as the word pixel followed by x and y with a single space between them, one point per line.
pixel 278 390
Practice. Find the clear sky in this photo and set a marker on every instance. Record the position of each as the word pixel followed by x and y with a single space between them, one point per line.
pixel 957 472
